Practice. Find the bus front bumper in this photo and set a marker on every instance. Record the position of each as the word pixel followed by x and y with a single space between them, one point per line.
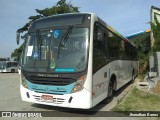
pixel 80 99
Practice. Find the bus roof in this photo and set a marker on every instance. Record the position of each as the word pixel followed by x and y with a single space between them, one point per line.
pixel 77 20
pixel 58 20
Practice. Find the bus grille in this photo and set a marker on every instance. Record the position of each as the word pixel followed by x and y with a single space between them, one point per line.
pixel 50 80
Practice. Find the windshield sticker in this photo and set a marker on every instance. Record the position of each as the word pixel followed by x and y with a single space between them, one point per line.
pixel 30 49
pixel 65 70
pixel 56 33
pixel 52 64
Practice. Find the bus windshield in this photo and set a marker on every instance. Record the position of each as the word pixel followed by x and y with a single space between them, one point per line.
pixel 56 50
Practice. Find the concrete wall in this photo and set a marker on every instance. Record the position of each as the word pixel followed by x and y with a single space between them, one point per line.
pixel 157 62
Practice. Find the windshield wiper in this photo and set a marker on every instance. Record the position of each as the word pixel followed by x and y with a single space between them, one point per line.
pixel 64 39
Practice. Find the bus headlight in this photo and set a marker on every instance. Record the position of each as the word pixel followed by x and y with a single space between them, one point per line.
pixel 79 84
pixel 23 81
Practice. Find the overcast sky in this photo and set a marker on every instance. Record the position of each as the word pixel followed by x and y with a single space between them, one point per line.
pixel 126 16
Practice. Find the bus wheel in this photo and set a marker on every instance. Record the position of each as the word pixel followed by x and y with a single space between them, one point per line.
pixel 110 93
pixel 133 76
pixel 12 71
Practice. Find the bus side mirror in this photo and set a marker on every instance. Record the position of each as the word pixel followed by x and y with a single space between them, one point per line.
pixel 18 38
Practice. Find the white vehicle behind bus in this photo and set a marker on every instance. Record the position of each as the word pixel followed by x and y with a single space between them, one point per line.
pixel 8 66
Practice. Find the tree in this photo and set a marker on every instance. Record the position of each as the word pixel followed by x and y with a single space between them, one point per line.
pixel 144 46
pixel 17 53
pixel 156 34
pixel 5 59
pixel 61 7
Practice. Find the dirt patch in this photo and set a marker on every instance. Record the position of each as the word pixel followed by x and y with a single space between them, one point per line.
pixel 157 88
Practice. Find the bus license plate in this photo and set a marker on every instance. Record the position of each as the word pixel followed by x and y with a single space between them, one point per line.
pixel 47 98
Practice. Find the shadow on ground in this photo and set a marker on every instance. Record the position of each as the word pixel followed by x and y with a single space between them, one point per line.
pixel 95 111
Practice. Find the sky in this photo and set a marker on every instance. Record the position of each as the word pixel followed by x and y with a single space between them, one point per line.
pixel 126 16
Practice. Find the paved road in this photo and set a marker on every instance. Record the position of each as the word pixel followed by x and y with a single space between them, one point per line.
pixel 10 99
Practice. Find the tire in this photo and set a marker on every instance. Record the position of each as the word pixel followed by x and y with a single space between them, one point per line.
pixel 133 77
pixel 110 93
pixel 12 71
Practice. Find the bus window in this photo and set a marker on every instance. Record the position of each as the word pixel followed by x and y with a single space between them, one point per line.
pixel 116 46
pixel 99 48
pixel 113 46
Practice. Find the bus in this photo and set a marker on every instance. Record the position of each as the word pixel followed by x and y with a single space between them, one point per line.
pixel 74 60
pixel 8 66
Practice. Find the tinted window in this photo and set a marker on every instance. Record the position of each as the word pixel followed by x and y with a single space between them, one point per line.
pixel 131 51
pixel 99 47
pixel 116 46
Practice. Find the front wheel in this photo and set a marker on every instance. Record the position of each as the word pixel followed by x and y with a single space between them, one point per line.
pixel 110 93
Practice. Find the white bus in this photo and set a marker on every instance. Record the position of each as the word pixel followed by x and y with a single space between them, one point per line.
pixel 8 66
pixel 75 61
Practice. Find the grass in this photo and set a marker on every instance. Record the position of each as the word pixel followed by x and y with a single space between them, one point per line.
pixel 138 100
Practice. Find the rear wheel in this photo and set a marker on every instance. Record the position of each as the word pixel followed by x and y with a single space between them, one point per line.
pixel 133 77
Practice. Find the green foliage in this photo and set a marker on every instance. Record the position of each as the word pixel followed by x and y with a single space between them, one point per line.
pixel 17 53
pixel 144 47
pixel 60 8
pixel 142 42
pixel 156 34
pixel 5 59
